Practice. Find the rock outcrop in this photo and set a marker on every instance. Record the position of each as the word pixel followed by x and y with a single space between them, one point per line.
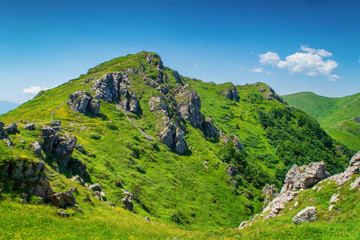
pixel 209 129
pixel 4 136
pixel 37 149
pixel 78 179
pixel 235 141
pixel 115 87
pixel 63 147
pixel 29 126
pixel 62 199
pixel 59 145
pixel 83 102
pixel 2 131
pixel 177 105
pixel 173 137
pixel 306 215
pixel 26 176
pixel 166 106
pixel 189 105
pixel 127 201
pixel 355 184
pixel 354 168
pixel 96 187
pixel 270 192
pixel 304 177
pixel 296 179
pixel 11 129
pixel 232 94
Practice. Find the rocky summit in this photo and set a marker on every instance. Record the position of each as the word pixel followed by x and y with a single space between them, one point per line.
pixel 133 140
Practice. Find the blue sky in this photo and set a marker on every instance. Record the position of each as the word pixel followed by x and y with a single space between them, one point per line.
pixel 297 45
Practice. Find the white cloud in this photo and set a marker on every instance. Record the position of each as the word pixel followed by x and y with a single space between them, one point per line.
pixel 320 52
pixel 257 69
pixel 196 65
pixel 310 62
pixel 260 70
pixel 33 90
pixel 269 58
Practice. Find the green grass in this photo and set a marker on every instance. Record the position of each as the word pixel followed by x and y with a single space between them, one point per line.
pixel 335 115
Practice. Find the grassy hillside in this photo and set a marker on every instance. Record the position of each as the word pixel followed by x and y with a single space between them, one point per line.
pixel 335 115
pixel 192 191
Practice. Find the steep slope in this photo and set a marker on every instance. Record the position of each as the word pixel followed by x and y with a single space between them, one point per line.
pixel 338 116
pixel 179 150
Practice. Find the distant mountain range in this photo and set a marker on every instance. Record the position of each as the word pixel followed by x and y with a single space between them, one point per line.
pixel 7 106
pixel 338 116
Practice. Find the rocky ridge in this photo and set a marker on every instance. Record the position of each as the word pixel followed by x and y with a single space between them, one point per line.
pixel 299 179
pixel 181 103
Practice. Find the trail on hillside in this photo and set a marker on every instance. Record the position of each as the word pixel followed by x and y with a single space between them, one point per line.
pixel 147 136
pixel 53 111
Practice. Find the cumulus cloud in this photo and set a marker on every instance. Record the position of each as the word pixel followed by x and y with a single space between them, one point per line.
pixel 320 52
pixel 269 58
pixel 309 62
pixel 33 90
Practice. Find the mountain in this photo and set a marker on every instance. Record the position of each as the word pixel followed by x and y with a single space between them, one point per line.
pixel 7 106
pixel 133 139
pixel 338 116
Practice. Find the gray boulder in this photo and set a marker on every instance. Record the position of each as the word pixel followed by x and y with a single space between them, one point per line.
pixel 305 176
pixel 306 215
pixel 56 123
pixel 128 203
pixel 49 136
pixel 37 149
pixel 232 94
pixel 29 126
pixel 189 104
pixel 354 168
pixel 58 144
pixel 96 187
pixel 11 129
pixel 77 178
pixel 64 147
pixel 173 138
pixel 83 102
pixel 28 177
pixel 209 129
pixel 62 199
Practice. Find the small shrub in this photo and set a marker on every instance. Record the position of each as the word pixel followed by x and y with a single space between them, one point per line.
pixel 140 168
pixel 111 126
pixel 95 136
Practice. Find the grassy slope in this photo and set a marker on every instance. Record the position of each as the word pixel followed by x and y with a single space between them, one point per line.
pixel 341 223
pixel 334 114
pixel 171 189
